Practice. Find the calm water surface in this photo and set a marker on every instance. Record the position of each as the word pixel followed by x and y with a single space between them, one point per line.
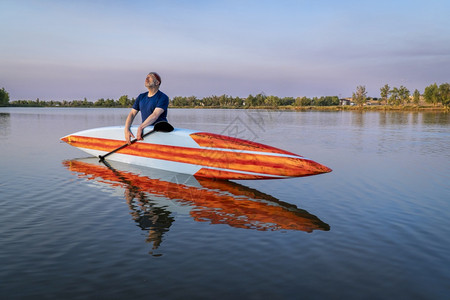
pixel 377 227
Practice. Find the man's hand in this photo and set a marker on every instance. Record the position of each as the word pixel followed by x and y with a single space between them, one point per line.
pixel 139 133
pixel 128 135
pixel 129 121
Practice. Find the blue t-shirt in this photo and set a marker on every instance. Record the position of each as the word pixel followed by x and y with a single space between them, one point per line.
pixel 146 105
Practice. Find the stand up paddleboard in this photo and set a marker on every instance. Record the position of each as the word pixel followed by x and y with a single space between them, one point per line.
pixel 195 153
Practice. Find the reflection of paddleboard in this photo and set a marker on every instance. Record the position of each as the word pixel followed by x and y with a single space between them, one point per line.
pixel 217 202
pixel 197 153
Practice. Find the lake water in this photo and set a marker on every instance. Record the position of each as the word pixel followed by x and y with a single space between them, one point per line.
pixel 377 227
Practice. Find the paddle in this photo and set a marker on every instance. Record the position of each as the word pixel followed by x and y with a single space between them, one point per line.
pixel 160 126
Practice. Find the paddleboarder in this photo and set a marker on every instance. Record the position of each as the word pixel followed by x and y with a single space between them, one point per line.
pixel 152 105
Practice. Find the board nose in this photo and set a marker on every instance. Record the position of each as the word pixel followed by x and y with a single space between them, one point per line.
pixel 66 139
pixel 306 167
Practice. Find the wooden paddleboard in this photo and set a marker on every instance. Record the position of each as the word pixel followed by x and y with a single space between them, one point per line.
pixel 197 153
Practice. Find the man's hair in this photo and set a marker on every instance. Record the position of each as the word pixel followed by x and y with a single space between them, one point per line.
pixel 156 76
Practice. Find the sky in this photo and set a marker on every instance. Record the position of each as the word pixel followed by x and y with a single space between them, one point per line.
pixel 69 50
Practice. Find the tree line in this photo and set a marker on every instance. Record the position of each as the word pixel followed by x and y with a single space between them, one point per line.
pixel 259 100
pixel 433 94
pixel 123 101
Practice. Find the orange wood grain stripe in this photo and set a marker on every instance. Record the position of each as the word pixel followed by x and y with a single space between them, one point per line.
pixel 221 174
pixel 211 140
pixel 266 164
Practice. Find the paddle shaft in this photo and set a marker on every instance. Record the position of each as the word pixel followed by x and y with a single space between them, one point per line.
pixel 102 157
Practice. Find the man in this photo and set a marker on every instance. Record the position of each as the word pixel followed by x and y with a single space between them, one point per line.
pixel 152 105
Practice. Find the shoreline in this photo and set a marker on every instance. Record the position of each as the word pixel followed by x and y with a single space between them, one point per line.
pixel 333 108
pixel 405 108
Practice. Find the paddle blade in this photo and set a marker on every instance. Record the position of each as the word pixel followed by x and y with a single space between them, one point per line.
pixel 163 127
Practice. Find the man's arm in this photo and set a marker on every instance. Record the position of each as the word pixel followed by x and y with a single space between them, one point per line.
pixel 128 122
pixel 152 118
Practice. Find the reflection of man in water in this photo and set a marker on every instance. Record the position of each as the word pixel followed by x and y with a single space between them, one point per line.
pixel 148 217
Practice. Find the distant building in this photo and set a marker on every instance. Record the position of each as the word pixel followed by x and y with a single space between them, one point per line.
pixel 346 101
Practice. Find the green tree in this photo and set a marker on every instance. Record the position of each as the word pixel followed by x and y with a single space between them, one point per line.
pixel 215 100
pixel 207 101
pixel 328 101
pixel 251 101
pixel 394 98
pixel 403 94
pixel 178 101
pixel 360 96
pixel 225 100
pixel 124 101
pixel 239 102
pixel 260 99
pixel 384 92
pixel 287 101
pixel 192 101
pixel 109 103
pixel 273 101
pixel 303 101
pixel 416 97
pixel 444 93
pixel 100 102
pixel 4 97
pixel 431 94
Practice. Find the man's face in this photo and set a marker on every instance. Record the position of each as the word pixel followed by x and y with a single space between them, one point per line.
pixel 150 81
